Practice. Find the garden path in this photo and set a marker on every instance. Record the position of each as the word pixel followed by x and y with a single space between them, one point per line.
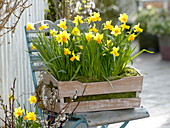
pixel 156 91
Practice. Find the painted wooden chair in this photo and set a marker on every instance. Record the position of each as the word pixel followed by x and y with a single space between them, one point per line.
pixel 88 119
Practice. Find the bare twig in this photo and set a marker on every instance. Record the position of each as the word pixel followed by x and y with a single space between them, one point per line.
pixel 4 122
pixel 75 107
pixel 13 88
pixel 8 9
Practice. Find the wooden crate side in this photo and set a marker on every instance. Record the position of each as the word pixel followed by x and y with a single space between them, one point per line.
pixel 47 78
pixel 127 84
pixel 113 104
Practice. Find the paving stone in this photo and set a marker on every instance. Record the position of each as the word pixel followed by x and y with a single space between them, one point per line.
pixel 156 91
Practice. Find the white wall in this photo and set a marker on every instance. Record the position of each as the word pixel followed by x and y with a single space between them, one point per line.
pixel 14 60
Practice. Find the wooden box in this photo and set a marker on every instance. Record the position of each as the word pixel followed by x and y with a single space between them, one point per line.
pixel 67 89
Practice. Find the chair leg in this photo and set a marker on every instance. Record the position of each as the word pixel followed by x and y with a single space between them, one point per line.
pixel 79 122
pixel 104 126
pixel 124 124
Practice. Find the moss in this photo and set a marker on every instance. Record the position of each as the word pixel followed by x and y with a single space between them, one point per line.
pixel 127 72
pixel 102 97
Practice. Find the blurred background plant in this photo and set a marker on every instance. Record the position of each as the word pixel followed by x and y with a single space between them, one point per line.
pixel 68 9
pixel 144 16
pixel 148 39
pixel 160 23
pixel 108 9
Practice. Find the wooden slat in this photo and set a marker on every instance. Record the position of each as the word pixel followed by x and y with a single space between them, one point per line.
pixel 70 123
pixel 52 25
pixel 127 84
pixel 110 117
pixel 49 78
pixel 35 58
pixel 38 68
pixel 34 51
pixel 34 38
pixel 38 24
pixel 31 39
pixel 112 104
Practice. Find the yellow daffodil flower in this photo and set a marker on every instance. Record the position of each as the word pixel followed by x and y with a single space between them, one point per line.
pixel 108 42
pixel 115 51
pixel 25 118
pixel 88 20
pixel 75 57
pixel 84 1
pixel 116 31
pixel 124 26
pixel 80 46
pixel 43 26
pixel 30 26
pixel 98 38
pixel 10 97
pixel 80 8
pixel 137 28
pixel 94 29
pixel 32 99
pixel 58 38
pixel 30 116
pixel 131 37
pixel 63 37
pixel 78 20
pixel 73 39
pixel 62 24
pixel 75 31
pixel 18 112
pixel 86 6
pixel 32 46
pixel 108 25
pixel 89 36
pixel 3 107
pixel 95 17
pixel 123 18
pixel 53 32
pixel 67 51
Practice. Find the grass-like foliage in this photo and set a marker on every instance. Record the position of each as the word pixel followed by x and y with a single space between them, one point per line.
pixel 96 52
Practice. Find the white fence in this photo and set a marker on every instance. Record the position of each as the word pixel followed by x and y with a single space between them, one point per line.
pixel 14 60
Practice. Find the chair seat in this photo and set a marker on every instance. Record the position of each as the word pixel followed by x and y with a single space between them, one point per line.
pixel 114 116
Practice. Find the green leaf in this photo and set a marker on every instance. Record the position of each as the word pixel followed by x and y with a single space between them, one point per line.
pixel 78 68
pixel 144 50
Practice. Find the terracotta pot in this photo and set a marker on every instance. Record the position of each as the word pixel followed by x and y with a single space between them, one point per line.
pixel 164 43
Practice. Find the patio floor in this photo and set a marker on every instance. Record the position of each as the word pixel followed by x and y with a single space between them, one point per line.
pixel 156 91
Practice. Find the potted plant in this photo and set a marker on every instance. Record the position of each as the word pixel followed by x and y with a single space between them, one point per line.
pixel 89 64
pixel 160 25
pixel 147 40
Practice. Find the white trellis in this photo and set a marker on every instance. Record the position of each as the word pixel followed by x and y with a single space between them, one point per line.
pixel 14 60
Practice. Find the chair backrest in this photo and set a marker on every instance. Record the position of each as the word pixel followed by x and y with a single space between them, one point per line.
pixel 31 36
